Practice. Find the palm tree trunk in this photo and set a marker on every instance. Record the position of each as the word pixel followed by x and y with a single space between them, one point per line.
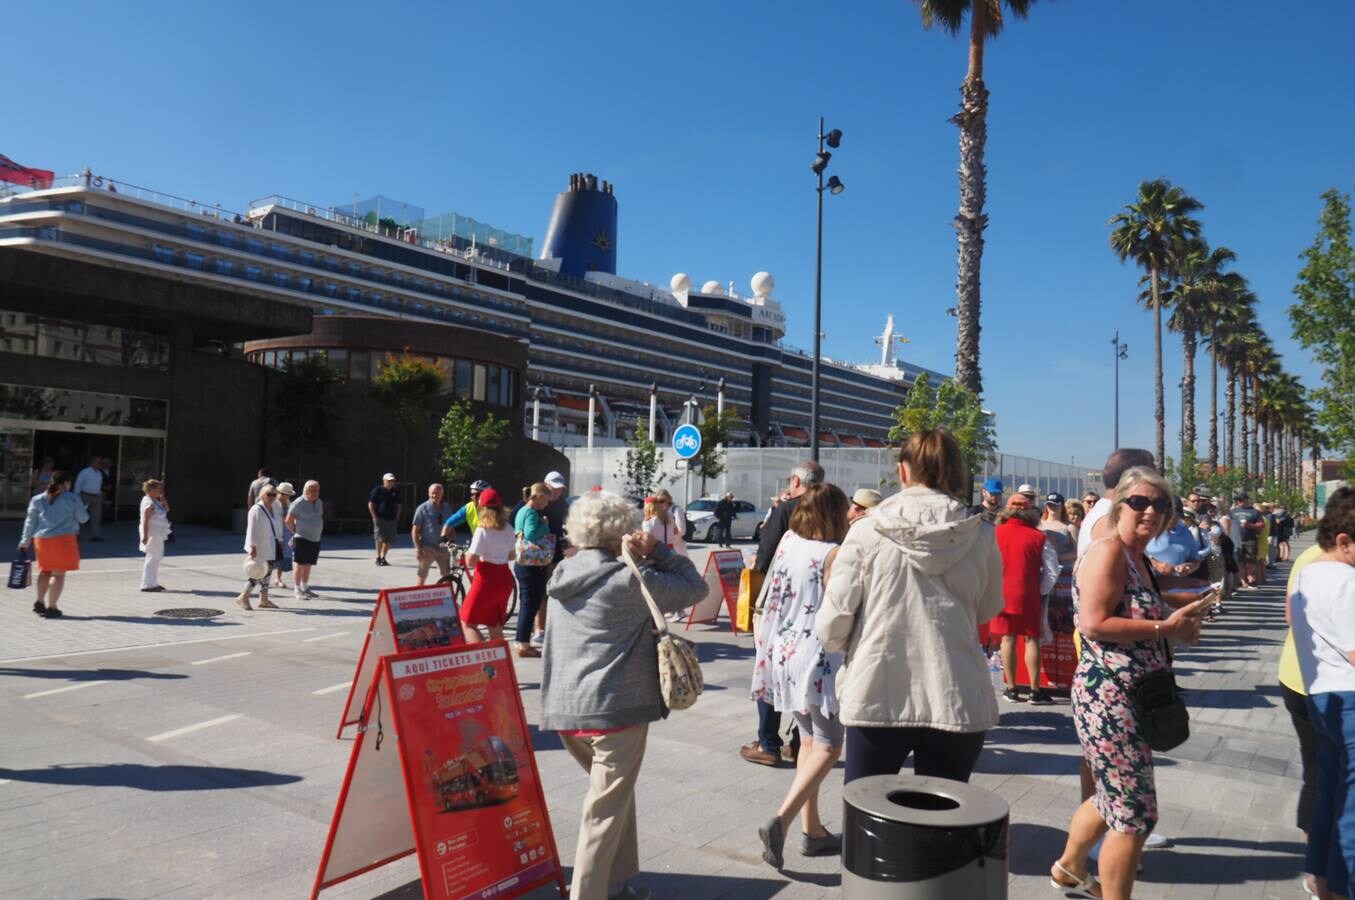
pixel 1268 442
pixel 1255 426
pixel 970 221
pixel 1230 433
pixel 1188 396
pixel 1159 409
pixel 1213 408
pixel 1244 434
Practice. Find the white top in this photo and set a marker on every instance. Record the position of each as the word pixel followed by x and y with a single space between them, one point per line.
pixel 89 481
pixel 1094 515
pixel 158 527
pixel 665 532
pixel 493 546
pixel 262 531
pixel 1323 604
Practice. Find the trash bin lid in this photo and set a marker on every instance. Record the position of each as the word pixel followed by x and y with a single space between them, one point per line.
pixel 927 801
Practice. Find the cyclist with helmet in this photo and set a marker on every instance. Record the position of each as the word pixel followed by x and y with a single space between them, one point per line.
pixel 468 515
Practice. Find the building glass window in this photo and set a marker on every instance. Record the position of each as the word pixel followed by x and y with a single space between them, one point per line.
pixel 478 385
pixel 463 378
pixel 81 407
pixel 338 361
pixel 360 365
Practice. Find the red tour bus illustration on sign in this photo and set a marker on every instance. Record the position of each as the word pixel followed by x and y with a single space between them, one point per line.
pixel 482 776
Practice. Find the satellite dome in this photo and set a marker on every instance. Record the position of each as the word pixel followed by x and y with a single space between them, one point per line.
pixel 680 282
pixel 763 284
pixel 712 287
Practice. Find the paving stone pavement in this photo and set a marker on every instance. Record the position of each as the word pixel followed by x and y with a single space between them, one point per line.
pixel 90 806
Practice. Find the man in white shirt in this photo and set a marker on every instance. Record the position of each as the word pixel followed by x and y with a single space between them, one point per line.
pixel 89 484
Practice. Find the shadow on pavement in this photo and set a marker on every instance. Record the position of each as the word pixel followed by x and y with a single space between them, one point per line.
pixel 1243 862
pixel 150 620
pixel 150 778
pixel 87 674
pixel 707 887
pixel 1034 848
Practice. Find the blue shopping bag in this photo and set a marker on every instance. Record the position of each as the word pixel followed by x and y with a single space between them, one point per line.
pixel 20 572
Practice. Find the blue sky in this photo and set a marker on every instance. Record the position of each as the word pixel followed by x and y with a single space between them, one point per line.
pixel 703 115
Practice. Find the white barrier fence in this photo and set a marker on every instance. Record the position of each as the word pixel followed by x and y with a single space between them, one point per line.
pixel 756 474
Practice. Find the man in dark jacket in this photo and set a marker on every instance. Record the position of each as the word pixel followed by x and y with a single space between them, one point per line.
pixel 766 750
pixel 724 519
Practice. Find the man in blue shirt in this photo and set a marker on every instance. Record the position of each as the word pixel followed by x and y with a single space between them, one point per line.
pixel 384 505
pixel 426 532
pixel 1176 551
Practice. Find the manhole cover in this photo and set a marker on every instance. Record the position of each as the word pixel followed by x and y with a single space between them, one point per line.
pixel 188 612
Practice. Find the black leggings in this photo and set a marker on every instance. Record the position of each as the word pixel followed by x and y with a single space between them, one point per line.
pixel 1297 704
pixel 883 751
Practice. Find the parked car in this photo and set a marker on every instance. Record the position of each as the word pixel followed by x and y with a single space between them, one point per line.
pixel 701 524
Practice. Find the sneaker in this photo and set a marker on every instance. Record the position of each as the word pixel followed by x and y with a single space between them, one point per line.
pixel 773 842
pixel 380 561
pixel 827 845
pixel 310 594
pixel 52 612
pixel 39 607
pixel 265 603
pixel 1157 841
pixel 1012 696
pixel 1040 698
pixel 754 753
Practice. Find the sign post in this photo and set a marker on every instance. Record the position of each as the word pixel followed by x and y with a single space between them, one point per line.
pixel 686 444
pixel 445 728
pixel 404 619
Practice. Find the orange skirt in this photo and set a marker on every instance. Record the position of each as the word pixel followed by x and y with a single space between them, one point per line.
pixel 57 554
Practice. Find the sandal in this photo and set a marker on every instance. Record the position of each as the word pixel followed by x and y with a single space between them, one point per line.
pixel 1083 887
pixel 39 607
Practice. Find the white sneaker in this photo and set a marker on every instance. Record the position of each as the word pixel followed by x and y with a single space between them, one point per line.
pixel 1156 841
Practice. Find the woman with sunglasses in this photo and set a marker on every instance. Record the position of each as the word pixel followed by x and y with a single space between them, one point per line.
pixel 263 541
pixel 1124 624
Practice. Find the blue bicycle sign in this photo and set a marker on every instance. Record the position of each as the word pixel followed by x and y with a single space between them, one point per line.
pixel 687 441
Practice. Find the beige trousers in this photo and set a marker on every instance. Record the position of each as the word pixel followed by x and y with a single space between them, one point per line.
pixel 608 850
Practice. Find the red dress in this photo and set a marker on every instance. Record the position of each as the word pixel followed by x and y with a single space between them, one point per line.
pixel 1021 545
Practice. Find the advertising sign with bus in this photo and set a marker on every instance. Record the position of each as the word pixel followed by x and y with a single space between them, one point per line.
pixel 405 619
pixel 474 810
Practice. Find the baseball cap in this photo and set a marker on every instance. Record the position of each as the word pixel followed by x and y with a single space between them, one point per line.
pixel 866 498
pixel 1054 499
pixel 1018 501
pixel 489 497
pixel 992 485
pixel 1027 489
pixel 555 480
pixel 389 476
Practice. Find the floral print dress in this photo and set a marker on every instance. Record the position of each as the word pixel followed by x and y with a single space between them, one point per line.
pixel 1117 752
pixel 792 671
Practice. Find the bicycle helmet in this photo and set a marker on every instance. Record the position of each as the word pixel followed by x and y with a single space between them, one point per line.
pixel 479 486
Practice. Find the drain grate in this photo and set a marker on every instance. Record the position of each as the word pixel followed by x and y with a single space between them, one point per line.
pixel 189 612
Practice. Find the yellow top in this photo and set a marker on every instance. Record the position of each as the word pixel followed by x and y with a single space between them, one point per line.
pixel 1263 541
pixel 1290 676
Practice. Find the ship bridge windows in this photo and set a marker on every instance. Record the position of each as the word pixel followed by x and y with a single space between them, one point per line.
pixel 196 231
pixel 164 254
pixel 224 266
pixel 254 246
pixel 194 260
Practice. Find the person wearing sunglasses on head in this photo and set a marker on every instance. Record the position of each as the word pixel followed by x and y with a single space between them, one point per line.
pixel 1124 622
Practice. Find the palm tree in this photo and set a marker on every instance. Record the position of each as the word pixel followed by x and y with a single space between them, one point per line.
pixel 1149 231
pixel 1197 282
pixel 1234 343
pixel 985 21
pixel 1230 305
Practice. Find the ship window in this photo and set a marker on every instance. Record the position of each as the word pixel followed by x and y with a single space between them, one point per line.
pixel 196 231
pixel 280 251
pixel 307 258
pixel 164 254
pixel 281 279
pixel 254 245
pixel 227 238
pixel 225 267
pixel 194 260
pixel 253 273
pixel 330 263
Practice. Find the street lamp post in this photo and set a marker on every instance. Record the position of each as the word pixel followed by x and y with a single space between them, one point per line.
pixel 834 186
pixel 1121 352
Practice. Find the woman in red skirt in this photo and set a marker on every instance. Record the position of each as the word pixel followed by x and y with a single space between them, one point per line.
pixel 491 550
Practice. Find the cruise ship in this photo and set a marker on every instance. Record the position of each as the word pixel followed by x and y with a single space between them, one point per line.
pixel 589 332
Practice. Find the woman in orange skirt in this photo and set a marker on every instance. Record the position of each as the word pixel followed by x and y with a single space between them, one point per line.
pixel 491 550
pixel 50 529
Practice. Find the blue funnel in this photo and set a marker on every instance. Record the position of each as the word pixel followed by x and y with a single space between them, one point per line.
pixel 582 230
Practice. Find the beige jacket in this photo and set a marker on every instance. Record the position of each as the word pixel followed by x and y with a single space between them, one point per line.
pixel 906 594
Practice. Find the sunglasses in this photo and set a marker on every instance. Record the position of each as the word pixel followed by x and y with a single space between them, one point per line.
pixel 1140 503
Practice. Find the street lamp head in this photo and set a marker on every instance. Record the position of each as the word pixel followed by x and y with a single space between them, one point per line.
pixel 835 185
pixel 1124 351
pixel 820 162
pixel 834 138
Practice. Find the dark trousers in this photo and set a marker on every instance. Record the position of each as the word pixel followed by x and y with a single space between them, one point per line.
pixel 883 751
pixel 768 727
pixel 531 593
pixel 1297 705
pixel 722 532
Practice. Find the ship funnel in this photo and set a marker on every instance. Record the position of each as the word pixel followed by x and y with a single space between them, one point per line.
pixel 582 230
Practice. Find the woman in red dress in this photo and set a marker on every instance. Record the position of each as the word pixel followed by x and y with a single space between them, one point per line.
pixel 490 552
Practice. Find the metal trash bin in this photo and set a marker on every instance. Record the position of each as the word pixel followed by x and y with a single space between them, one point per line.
pixel 906 837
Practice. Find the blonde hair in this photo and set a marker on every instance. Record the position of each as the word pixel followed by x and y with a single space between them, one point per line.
pixel 493 518
pixel 1075 508
pixel 150 483
pixel 1131 479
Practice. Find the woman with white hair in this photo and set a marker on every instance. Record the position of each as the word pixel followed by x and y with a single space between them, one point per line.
pixel 600 681
pixel 1124 624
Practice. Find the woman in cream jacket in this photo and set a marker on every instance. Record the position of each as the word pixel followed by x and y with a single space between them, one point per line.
pixel 909 589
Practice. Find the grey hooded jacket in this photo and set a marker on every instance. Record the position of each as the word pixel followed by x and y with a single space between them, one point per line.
pixel 601 667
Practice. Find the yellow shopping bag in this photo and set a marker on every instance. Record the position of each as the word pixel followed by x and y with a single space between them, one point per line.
pixel 750 586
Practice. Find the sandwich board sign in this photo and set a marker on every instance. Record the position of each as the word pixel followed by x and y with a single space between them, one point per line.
pixel 405 619
pixel 443 767
pixel 723 570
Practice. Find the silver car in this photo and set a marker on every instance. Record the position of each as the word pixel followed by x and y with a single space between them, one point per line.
pixel 701 524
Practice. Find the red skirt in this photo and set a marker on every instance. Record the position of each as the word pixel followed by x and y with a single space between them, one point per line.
pixel 1025 623
pixel 57 554
pixel 487 600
